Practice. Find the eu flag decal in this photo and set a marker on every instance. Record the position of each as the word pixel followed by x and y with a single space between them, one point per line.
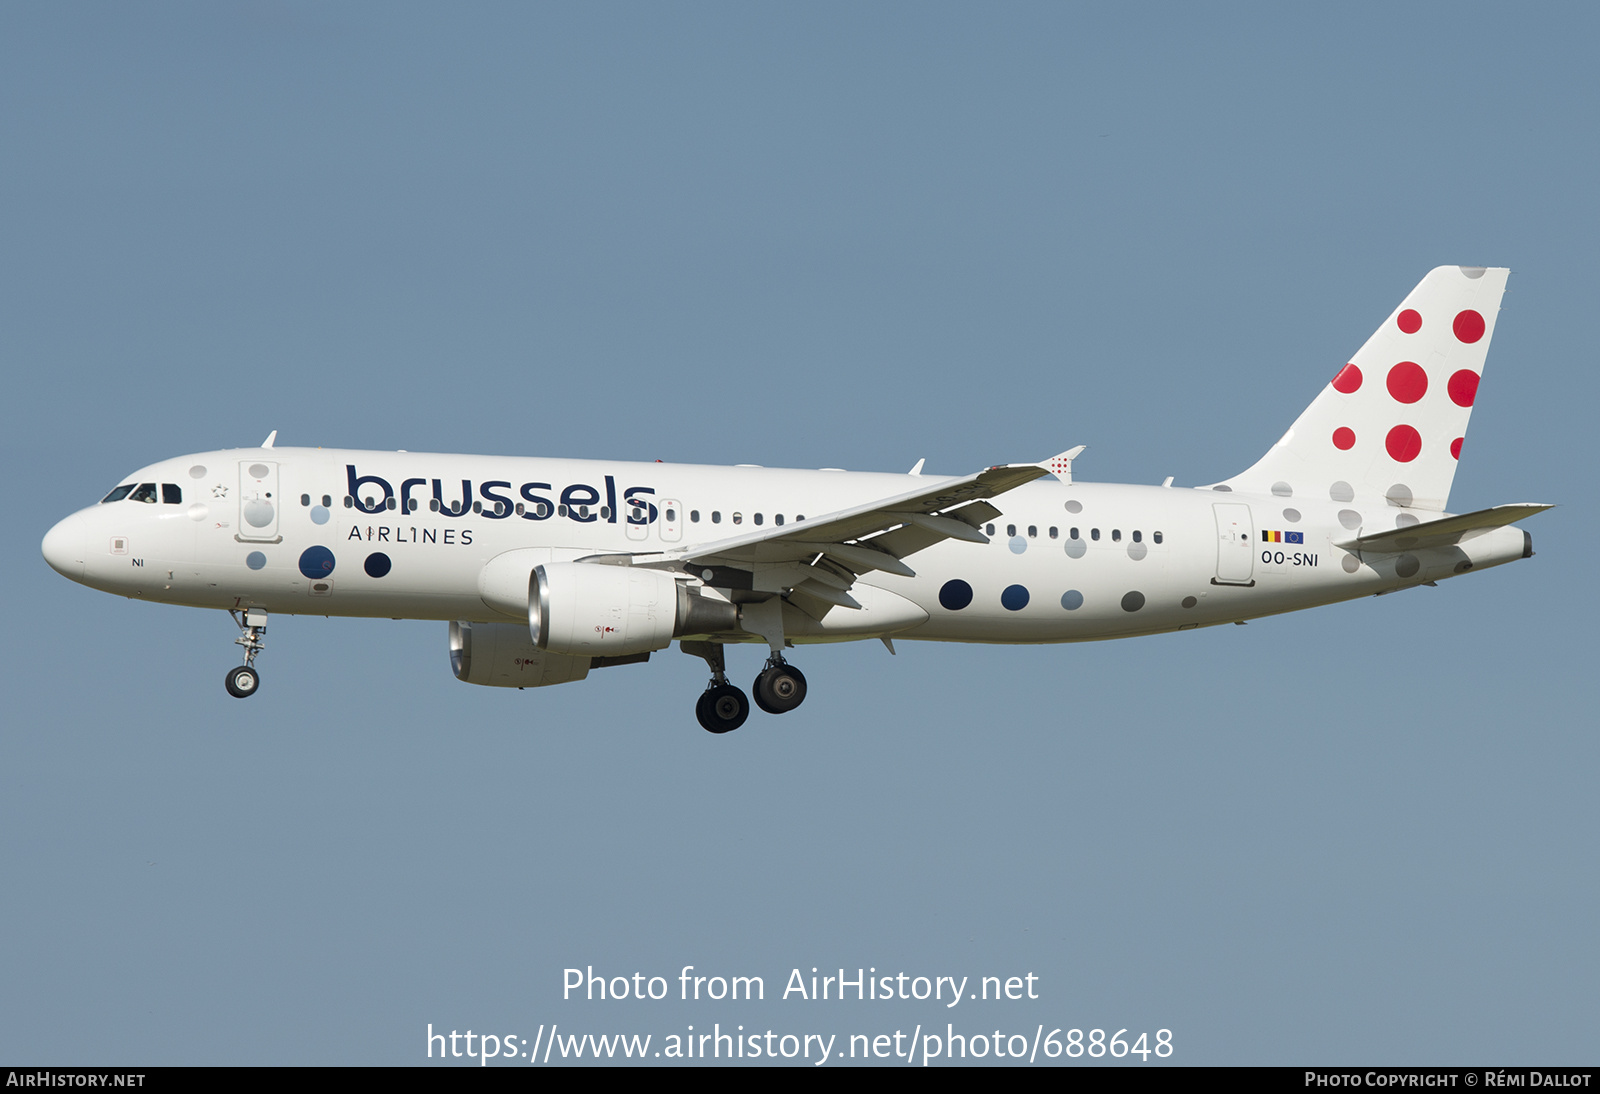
pixel 1283 537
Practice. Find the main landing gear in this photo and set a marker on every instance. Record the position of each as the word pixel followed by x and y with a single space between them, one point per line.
pixel 722 707
pixel 243 681
pixel 780 687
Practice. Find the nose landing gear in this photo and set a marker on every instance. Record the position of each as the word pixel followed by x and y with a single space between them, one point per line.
pixel 242 682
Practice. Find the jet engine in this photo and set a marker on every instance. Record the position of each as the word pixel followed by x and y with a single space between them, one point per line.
pixel 596 610
pixel 501 655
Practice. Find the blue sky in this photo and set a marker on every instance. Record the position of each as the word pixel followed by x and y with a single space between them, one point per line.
pixel 809 235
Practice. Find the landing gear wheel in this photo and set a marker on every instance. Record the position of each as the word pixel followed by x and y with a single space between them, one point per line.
pixel 780 688
pixel 242 682
pixel 722 708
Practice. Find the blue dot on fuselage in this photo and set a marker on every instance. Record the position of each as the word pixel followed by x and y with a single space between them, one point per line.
pixel 255 560
pixel 955 595
pixel 378 564
pixel 1072 600
pixel 316 562
pixel 1015 598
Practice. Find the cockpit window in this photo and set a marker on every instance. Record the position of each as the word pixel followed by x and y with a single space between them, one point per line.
pixel 171 494
pixel 146 492
pixel 118 494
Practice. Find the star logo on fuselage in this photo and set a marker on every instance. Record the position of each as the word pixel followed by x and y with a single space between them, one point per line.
pixel 219 491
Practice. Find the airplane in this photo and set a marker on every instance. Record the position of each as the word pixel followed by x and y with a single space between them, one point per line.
pixel 546 569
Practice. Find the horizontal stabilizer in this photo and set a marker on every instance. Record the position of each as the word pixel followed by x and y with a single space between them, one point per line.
pixel 1444 532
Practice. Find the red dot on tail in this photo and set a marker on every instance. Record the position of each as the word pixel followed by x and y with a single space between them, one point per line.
pixel 1404 444
pixel 1463 387
pixel 1468 326
pixel 1344 439
pixel 1407 382
pixel 1409 321
pixel 1348 380
pixel 1455 448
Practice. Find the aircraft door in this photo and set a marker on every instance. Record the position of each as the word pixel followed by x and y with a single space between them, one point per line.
pixel 258 502
pixel 1236 549
pixel 671 520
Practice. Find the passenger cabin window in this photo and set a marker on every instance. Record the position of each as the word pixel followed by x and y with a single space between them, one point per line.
pixel 1116 535
pixel 327 502
pixel 145 492
pixel 1055 533
pixel 716 517
pixel 694 516
pixel 1156 536
pixel 1137 536
pixel 738 518
pixel 1072 533
pixel 1033 531
pixel 171 494
pixel 672 515
pixel 988 529
pixel 757 518
pixel 1094 534
pixel 118 494
pixel 305 499
pixel 778 519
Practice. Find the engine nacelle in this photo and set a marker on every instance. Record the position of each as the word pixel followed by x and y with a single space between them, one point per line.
pixel 594 610
pixel 502 655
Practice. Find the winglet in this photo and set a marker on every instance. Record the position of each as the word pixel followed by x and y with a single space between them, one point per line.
pixel 1061 466
pixel 917 470
pixel 270 438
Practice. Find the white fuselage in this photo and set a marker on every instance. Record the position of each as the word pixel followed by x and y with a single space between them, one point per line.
pixel 1066 562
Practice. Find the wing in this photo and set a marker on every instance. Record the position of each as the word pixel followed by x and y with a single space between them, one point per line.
pixel 817 560
pixel 1445 531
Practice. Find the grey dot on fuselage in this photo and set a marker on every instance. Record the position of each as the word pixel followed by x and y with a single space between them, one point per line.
pixel 1283 490
pixel 1136 551
pixel 1342 491
pixel 1405 520
pixel 1399 494
pixel 1407 566
pixel 1292 516
pixel 1350 563
pixel 1350 518
pixel 1133 601
pixel 1074 506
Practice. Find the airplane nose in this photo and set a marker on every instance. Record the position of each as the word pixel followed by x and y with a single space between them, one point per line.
pixel 65 546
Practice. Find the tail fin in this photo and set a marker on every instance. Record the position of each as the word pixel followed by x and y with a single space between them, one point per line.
pixel 1390 425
